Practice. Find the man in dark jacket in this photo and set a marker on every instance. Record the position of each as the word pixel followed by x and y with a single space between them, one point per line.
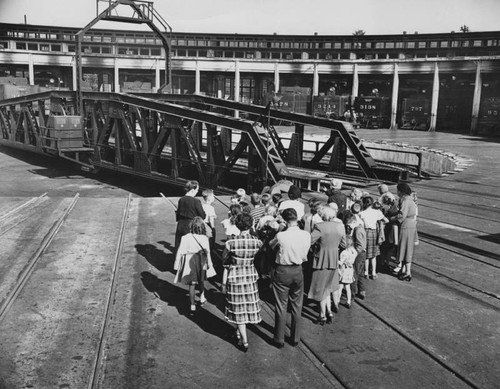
pixel 336 196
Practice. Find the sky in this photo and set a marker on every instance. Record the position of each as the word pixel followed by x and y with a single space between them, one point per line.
pixel 296 17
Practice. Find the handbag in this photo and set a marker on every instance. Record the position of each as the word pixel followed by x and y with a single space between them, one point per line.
pixel 204 253
pixel 227 258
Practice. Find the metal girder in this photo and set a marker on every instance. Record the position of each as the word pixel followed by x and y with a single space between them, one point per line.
pixel 161 140
pixel 365 161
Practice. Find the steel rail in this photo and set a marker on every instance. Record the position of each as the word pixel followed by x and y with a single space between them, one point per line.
pixel 21 206
pixel 97 371
pixel 28 270
pixel 420 346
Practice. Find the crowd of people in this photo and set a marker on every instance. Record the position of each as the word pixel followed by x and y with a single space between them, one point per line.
pixel 320 251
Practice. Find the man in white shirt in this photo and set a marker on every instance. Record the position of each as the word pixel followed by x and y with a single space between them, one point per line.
pixel 287 277
pixel 293 202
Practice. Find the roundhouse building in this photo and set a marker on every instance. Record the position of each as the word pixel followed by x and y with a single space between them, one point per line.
pixel 446 81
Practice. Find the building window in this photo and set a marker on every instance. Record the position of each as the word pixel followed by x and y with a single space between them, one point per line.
pixel 389 45
pixel 444 43
pixel 379 45
pixel 144 51
pixel 433 44
pixel 105 50
pixel 347 45
pixel 192 53
pixel 202 43
pixel 465 43
pixel 155 51
pixel 478 43
pixel 20 46
pixel 410 45
pixel 239 54
pixel 328 45
pixel 181 53
pixel 33 46
pixel 399 45
pixel 421 45
pixel 55 47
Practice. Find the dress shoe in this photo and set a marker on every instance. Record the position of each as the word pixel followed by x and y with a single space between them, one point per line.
pixel 295 344
pixel 361 295
pixel 243 346
pixel 406 277
pixel 278 344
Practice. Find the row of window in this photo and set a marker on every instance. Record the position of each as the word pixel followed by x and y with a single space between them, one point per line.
pixel 148 39
pixel 233 53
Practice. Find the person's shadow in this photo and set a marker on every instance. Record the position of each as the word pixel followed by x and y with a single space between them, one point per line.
pixel 177 297
pixel 156 257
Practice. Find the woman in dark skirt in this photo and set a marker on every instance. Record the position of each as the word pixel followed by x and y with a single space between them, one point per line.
pixel 242 298
pixel 188 208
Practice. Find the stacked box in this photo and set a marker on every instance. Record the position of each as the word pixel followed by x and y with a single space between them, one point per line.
pixel 66 131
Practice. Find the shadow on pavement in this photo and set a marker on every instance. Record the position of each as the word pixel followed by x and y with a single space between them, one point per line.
pixel 158 258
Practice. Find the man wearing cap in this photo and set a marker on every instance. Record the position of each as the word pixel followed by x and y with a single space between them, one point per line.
pixel 336 196
pixel 287 277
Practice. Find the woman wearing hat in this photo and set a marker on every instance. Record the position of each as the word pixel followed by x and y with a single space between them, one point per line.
pixel 407 219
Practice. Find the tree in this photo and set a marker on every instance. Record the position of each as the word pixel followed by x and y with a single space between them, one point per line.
pixel 464 28
pixel 359 32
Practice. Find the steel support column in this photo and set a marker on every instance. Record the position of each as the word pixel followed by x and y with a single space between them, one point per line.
pixel 394 99
pixel 435 99
pixel 476 101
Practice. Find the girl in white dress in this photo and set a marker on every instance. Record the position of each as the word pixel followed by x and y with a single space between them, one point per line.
pixel 346 262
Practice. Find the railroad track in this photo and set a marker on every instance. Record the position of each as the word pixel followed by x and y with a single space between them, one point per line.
pixel 97 371
pixel 15 216
pixel 29 268
pixel 18 208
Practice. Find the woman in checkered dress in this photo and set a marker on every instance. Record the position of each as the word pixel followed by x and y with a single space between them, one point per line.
pixel 242 296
